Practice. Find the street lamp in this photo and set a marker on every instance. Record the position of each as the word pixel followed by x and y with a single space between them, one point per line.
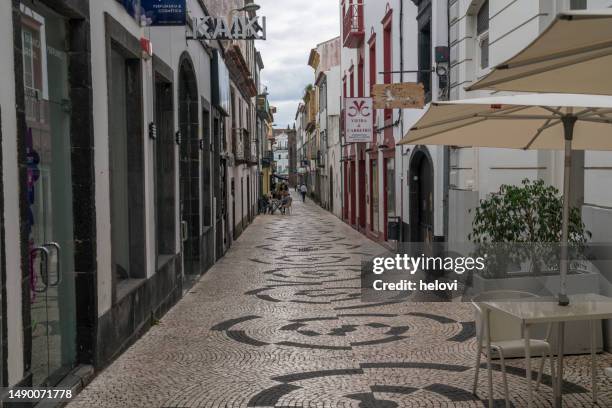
pixel 251 7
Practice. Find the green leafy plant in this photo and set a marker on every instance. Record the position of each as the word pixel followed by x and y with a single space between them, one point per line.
pixel 307 89
pixel 527 214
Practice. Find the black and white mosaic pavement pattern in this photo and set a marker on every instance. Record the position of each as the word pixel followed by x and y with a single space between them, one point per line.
pixel 279 322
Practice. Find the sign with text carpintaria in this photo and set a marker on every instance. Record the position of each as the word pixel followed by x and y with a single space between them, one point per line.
pixel 405 95
pixel 359 122
pixel 239 28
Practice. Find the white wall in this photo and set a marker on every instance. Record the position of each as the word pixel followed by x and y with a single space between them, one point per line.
pixel 168 44
pixel 512 26
pixel 11 196
pixel 101 155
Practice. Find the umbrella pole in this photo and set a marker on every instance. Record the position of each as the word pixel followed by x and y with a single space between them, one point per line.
pixel 569 122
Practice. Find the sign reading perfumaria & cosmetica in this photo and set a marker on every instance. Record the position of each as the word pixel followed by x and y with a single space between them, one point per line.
pixel 163 12
pixel 157 12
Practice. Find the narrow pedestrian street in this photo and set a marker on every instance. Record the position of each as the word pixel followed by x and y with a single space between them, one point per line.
pixel 279 322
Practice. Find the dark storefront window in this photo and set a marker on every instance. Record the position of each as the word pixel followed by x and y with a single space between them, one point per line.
pixel 126 162
pixel 164 170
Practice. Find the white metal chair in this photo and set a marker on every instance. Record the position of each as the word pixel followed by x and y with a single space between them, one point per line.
pixel 506 337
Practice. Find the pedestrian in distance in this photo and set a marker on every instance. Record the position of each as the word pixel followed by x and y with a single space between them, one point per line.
pixel 303 190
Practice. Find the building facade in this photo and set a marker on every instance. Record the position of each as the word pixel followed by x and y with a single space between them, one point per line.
pixel 480 38
pixel 284 154
pixel 446 46
pixel 325 174
pixel 281 153
pixel 379 47
pixel 129 163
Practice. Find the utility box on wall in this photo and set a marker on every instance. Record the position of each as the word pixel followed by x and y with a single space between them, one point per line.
pixel 393 229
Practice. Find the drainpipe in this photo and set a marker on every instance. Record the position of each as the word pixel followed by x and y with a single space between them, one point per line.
pixel 446 177
pixel 341 158
pixel 401 40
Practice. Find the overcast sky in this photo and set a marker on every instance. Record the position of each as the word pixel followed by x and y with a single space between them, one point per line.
pixel 294 27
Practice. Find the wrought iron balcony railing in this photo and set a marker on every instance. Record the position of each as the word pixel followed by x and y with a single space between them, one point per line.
pixel 353 26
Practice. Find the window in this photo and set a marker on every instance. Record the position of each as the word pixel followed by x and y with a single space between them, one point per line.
pixel 372 57
pixel 352 81
pixel 482 34
pixel 387 60
pixel 425 60
pixel 372 62
pixel 164 168
pixel 323 96
pixel 360 78
pixel 126 166
pixel 578 4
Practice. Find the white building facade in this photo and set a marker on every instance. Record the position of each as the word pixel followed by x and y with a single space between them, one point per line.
pixel 117 168
pixel 482 35
pixel 281 153
pixel 379 47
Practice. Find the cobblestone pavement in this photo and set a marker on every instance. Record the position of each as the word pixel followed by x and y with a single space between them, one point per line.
pixel 278 323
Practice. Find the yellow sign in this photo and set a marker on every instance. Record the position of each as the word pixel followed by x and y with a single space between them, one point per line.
pixel 406 95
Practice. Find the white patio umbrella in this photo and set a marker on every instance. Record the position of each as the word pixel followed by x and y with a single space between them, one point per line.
pixel 573 55
pixel 527 121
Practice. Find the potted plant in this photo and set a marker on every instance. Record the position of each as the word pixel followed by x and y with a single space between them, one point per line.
pixel 521 225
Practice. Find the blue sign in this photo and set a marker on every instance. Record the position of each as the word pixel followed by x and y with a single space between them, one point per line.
pixel 163 12
pixel 157 12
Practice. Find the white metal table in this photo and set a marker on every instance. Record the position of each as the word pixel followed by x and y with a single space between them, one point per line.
pixel 589 307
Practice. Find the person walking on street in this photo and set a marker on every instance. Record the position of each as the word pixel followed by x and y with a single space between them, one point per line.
pixel 303 190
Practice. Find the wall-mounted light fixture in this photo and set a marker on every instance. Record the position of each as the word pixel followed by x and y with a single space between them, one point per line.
pixel 152 131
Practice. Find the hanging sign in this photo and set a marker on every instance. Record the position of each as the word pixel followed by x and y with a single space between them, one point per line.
pixel 220 28
pixel 163 12
pixel 359 123
pixel 406 95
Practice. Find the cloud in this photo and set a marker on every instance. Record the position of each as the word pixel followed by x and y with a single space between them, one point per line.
pixel 294 28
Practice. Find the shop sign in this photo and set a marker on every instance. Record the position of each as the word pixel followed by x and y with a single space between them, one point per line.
pixel 406 95
pixel 157 12
pixel 220 84
pixel 359 123
pixel 163 12
pixel 220 28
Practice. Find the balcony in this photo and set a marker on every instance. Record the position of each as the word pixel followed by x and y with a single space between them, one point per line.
pixel 268 159
pixel 263 108
pixel 241 146
pixel 353 30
